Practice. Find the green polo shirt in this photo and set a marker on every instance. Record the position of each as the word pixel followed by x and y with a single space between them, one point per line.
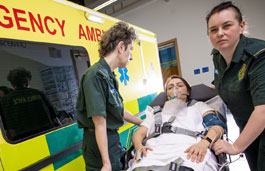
pixel 99 96
pixel 241 84
pixel 26 112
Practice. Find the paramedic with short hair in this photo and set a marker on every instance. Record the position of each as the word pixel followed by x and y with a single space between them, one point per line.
pixel 239 78
pixel 100 109
pixel 169 146
pixel 17 104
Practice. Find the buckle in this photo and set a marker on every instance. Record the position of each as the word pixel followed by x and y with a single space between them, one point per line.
pixel 174 166
pixel 167 129
pixel 201 134
pixel 157 129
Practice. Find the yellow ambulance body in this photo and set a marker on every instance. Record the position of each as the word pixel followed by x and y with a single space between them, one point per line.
pixel 56 24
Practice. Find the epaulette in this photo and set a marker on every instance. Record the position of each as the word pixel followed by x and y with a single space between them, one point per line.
pixel 103 72
pixel 255 47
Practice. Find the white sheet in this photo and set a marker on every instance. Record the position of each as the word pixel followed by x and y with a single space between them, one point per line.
pixel 169 147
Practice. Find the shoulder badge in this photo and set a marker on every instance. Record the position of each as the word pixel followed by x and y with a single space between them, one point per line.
pixel 255 47
pixel 103 73
pixel 241 73
pixel 259 52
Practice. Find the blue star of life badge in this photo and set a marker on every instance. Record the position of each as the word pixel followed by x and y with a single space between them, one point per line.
pixel 124 77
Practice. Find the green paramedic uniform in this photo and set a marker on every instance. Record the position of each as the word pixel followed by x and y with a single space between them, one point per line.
pixel 241 85
pixel 26 112
pixel 99 96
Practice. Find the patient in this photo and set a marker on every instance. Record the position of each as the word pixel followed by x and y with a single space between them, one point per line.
pixel 189 152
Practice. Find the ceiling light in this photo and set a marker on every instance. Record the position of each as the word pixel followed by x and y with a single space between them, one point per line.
pixel 104 4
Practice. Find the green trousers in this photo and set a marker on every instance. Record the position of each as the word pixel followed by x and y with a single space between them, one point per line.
pixel 92 155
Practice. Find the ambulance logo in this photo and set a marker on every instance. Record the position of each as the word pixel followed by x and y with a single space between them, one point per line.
pixel 124 77
pixel 241 73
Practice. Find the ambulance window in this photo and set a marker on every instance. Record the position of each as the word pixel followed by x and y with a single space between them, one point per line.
pixel 38 87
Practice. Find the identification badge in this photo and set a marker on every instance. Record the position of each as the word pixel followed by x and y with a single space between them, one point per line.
pixel 112 90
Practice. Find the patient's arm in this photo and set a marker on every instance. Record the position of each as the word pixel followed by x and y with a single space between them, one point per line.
pixel 198 151
pixel 216 131
pixel 137 140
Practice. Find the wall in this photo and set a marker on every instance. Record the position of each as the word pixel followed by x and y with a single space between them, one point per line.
pixel 185 20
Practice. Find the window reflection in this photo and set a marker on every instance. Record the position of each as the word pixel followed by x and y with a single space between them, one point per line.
pixel 55 70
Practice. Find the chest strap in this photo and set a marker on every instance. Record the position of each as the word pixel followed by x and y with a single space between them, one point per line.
pixel 179 130
pixel 168 128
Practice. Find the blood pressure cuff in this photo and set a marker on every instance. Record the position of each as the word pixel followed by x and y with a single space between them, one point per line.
pixel 211 119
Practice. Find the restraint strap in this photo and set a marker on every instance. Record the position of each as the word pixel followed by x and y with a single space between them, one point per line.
pixel 158 124
pixel 178 130
pixel 167 128
pixel 172 166
pixel 162 168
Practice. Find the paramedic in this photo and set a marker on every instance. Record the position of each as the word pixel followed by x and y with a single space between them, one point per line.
pixel 20 80
pixel 100 109
pixel 19 102
pixel 171 146
pixel 240 80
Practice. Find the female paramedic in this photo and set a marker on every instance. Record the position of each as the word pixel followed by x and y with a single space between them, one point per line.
pixel 240 80
pixel 180 144
pixel 99 106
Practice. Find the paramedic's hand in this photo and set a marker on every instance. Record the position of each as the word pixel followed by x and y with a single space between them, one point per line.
pixel 142 152
pixel 197 151
pixel 221 146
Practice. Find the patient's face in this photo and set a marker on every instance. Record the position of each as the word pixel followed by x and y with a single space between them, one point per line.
pixel 177 83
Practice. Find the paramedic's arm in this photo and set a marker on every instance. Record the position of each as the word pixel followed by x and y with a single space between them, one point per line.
pixel 131 118
pixel 252 130
pixel 198 151
pixel 102 141
pixel 137 140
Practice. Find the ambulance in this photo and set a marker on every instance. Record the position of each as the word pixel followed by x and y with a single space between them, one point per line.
pixel 57 40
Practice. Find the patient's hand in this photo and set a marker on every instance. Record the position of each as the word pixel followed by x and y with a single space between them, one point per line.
pixel 141 152
pixel 197 151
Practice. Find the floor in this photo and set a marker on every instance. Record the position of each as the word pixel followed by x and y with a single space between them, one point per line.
pixel 233 133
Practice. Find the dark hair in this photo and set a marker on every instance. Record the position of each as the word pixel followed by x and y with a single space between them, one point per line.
pixel 5 89
pixel 111 38
pixel 19 77
pixel 183 80
pixel 222 6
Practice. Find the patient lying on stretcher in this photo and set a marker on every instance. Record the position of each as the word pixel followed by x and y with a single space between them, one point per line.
pixel 172 135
